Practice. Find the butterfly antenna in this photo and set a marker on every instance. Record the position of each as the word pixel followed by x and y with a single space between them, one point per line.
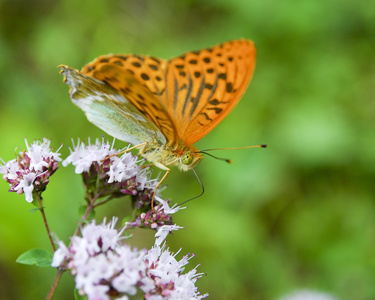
pixel 236 148
pixel 229 161
pixel 200 182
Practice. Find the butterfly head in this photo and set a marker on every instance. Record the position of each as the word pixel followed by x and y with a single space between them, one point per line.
pixel 189 159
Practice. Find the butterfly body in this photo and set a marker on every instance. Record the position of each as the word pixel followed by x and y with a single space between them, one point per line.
pixel 163 106
pixel 185 159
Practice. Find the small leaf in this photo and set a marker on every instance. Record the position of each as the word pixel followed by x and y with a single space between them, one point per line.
pixel 33 210
pixel 38 257
pixel 77 296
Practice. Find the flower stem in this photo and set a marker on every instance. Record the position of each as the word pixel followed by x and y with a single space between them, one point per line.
pixel 91 205
pixel 55 283
pixel 40 203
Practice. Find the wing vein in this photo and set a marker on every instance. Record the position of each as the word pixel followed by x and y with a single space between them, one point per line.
pixel 196 100
pixel 188 94
pixel 175 94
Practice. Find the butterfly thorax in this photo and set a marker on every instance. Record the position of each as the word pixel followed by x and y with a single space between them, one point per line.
pixel 181 156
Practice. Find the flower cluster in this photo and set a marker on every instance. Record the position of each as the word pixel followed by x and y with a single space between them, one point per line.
pixel 117 175
pixel 104 268
pixel 29 172
pixel 105 173
pixel 165 279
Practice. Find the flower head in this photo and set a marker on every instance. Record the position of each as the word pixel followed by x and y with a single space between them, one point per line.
pixel 109 174
pixel 100 264
pixel 165 279
pixel 29 172
pixel 105 268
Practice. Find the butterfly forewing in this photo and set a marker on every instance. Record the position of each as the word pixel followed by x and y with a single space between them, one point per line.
pixel 219 77
pixel 140 79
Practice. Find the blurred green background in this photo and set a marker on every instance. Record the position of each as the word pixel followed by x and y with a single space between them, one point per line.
pixel 300 214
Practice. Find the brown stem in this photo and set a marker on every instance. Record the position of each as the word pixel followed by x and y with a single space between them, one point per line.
pixel 54 284
pixel 87 211
pixel 40 202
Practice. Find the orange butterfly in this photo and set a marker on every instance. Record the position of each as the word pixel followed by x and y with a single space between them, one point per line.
pixel 163 106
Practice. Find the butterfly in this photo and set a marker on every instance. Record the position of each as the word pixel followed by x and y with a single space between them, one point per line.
pixel 163 106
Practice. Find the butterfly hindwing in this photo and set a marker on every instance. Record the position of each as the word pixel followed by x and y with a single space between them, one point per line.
pixel 109 110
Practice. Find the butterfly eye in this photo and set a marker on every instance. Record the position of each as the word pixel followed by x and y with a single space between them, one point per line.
pixel 187 158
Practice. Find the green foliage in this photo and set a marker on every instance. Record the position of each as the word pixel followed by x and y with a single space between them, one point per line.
pixel 299 214
pixel 77 296
pixel 38 257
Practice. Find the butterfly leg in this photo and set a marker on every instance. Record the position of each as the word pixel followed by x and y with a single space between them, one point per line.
pixel 162 167
pixel 127 150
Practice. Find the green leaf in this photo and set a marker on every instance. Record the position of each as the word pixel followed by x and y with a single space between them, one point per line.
pixel 77 296
pixel 33 210
pixel 38 257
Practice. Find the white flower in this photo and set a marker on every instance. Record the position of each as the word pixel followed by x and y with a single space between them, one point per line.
pixel 100 263
pixel 26 186
pixel 31 169
pixel 166 274
pixel 123 168
pixel 82 156
pixel 163 231
pixel 39 154
pixel 168 210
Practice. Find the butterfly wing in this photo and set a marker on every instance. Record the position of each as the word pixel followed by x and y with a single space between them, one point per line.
pixel 123 72
pixel 204 86
pixel 110 111
pixel 190 94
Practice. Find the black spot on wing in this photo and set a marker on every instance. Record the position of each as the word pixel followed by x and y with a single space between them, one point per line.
pixel 216 109
pixel 155 59
pixel 123 57
pixel 222 76
pixel 130 71
pixel 229 87
pixel 153 67
pixel 118 63
pixel 144 76
pixel 206 116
